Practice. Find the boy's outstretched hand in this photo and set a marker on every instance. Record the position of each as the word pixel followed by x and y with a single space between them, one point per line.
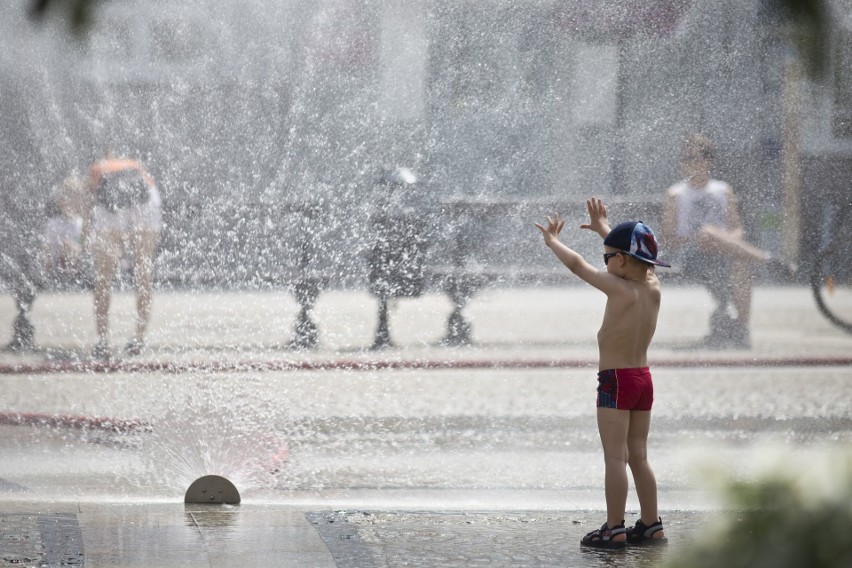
pixel 598 220
pixel 554 227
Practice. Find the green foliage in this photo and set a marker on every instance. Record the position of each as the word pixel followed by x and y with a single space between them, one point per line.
pixel 785 519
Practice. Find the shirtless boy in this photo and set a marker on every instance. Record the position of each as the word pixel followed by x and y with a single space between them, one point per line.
pixel 625 390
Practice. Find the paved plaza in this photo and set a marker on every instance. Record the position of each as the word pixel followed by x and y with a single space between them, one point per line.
pixel 526 324
pixel 415 455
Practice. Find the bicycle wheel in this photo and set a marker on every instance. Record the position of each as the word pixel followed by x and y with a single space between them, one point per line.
pixel 831 282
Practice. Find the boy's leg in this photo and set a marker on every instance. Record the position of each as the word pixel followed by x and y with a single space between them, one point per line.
pixel 613 426
pixel 643 475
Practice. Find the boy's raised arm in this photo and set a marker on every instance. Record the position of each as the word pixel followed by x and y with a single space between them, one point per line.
pixel 601 280
pixel 569 257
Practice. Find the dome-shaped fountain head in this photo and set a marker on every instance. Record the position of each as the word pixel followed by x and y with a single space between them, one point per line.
pixel 212 489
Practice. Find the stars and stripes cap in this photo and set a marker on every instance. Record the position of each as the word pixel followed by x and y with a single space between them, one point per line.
pixel 636 239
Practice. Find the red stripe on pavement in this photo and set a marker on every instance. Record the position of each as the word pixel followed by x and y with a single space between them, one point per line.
pixel 391 364
pixel 77 422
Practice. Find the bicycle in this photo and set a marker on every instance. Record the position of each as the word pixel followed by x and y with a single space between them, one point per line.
pixel 831 279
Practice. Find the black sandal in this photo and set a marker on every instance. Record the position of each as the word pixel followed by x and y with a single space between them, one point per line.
pixel 643 534
pixel 602 537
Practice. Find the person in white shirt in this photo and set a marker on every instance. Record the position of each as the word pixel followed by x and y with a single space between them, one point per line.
pixel 701 224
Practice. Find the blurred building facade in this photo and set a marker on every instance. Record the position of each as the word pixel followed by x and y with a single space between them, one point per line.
pixel 239 106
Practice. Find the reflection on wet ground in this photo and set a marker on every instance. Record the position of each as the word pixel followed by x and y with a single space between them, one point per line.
pixel 138 535
pixel 485 538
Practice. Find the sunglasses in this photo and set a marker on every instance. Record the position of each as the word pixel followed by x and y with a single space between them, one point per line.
pixel 609 255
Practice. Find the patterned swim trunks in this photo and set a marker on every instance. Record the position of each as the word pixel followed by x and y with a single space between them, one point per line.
pixel 625 389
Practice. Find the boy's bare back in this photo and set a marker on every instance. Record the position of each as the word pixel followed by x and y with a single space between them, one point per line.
pixel 629 322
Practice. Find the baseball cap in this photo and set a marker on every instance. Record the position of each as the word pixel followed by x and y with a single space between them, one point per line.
pixel 636 239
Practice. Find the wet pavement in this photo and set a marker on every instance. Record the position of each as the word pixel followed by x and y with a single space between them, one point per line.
pixel 151 536
pixel 419 455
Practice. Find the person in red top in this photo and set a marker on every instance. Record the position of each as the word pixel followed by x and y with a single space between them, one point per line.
pixel 123 215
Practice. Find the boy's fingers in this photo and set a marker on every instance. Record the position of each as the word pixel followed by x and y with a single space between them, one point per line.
pixel 544 230
pixel 553 224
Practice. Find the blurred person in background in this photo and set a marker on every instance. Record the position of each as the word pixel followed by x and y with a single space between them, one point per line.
pixel 20 273
pixel 701 224
pixel 123 214
pixel 62 249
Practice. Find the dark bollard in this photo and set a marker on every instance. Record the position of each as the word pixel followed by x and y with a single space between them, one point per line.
pixel 458 329
pixel 305 333
pixel 460 288
pixel 23 338
pixel 382 339
pixel 308 283
pixel 458 283
pixel 23 331
pixel 396 266
pixel 397 258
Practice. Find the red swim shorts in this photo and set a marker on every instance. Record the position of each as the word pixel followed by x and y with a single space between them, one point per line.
pixel 625 389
